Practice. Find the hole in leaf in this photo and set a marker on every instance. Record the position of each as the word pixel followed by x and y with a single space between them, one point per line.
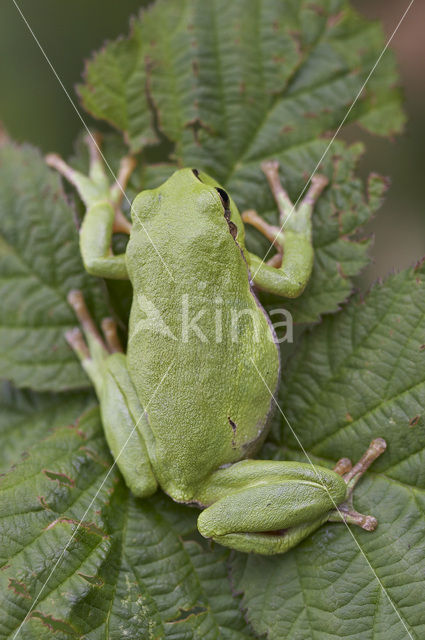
pixel 185 613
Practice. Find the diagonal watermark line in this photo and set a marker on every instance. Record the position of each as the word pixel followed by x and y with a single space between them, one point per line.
pixel 74 106
pixel 332 500
pixel 332 140
pixel 37 598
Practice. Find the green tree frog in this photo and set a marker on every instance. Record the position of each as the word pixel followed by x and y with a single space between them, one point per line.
pixel 188 406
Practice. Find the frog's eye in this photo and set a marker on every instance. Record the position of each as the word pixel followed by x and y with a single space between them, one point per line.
pixel 224 197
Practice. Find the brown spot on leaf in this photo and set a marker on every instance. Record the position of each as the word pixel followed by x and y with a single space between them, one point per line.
pixel 20 588
pixel 197 125
pixel 42 501
pixel 95 581
pixel 414 421
pixel 184 614
pixel 89 527
pixel 95 457
pixel 62 478
pixel 55 624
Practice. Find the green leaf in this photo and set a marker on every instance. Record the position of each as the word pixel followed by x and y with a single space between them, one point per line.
pixel 357 376
pixel 255 73
pixel 230 84
pixel 134 568
pixel 27 417
pixel 116 90
pixel 39 265
pixel 223 86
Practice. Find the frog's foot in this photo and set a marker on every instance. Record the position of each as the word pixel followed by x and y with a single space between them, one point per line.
pixel 351 476
pixel 297 218
pixel 288 271
pixel 95 188
pixel 91 348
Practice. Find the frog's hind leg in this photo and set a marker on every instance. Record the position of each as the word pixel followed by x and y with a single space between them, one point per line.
pixel 104 215
pixel 289 270
pixel 96 186
pixel 268 507
pixel 123 417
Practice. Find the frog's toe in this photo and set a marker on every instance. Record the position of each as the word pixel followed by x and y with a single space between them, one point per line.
pixel 77 302
pixel 97 347
pixel 109 330
pixel 343 466
pixel 76 341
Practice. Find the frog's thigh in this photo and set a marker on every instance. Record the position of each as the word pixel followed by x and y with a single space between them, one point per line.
pixel 123 418
pixel 270 517
pixel 293 238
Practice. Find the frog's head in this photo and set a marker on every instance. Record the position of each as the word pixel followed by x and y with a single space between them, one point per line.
pixel 192 200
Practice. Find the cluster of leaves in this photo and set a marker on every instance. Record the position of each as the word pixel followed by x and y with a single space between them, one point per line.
pixel 223 86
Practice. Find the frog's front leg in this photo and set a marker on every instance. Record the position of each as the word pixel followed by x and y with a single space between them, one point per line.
pixel 103 215
pixel 123 417
pixel 288 272
pixel 268 507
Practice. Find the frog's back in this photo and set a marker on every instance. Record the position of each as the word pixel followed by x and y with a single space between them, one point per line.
pixel 199 342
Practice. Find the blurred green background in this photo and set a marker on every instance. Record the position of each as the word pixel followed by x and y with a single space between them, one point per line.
pixel 34 107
